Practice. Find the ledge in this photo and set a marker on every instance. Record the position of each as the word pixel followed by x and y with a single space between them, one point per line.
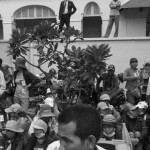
pixel 118 39
pixel 104 39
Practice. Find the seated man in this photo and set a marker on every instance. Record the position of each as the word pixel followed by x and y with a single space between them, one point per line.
pixel 79 128
pixel 135 125
pixel 110 82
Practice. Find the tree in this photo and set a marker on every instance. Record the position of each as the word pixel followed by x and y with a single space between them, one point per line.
pixel 77 67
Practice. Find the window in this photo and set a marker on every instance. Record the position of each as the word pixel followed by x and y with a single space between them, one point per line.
pixel 33 12
pixel 92 9
pixel 30 16
pixel 92 21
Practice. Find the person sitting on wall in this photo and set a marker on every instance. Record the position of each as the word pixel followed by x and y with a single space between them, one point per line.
pixel 114 17
pixel 110 83
pixel 67 8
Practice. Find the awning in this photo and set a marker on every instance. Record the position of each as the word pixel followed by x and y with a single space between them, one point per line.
pixel 136 4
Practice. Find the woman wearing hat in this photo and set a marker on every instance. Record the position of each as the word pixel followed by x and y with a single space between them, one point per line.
pixel 12 139
pixel 39 139
pixel 24 80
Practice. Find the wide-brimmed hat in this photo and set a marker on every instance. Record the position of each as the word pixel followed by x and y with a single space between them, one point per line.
pixel 46 111
pixel 49 101
pixel 140 105
pixel 40 124
pixel 104 97
pixel 13 125
pixel 20 62
pixel 14 108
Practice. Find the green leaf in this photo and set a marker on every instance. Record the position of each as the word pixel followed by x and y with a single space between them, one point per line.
pixel 41 60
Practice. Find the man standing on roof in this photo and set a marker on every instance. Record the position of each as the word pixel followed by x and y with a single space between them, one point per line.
pixel 114 17
pixel 67 8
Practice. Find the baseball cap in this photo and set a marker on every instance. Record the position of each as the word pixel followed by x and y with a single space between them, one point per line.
pixel 104 97
pixel 40 124
pixel 102 106
pixel 111 67
pixel 14 108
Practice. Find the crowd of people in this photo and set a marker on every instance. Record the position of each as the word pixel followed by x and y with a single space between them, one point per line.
pixel 81 126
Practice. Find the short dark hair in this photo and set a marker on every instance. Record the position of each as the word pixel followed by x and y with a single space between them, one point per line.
pixel 86 118
pixel 133 60
pixel 1 61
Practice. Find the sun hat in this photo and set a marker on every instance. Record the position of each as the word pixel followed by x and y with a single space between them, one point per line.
pixel 40 124
pixel 104 97
pixel 49 101
pixel 102 106
pixel 20 62
pixel 14 108
pixel 111 67
pixel 140 105
pixel 109 120
pixel 46 110
pixel 13 125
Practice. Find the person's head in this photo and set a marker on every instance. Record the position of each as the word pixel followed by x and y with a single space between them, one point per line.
pixel 133 62
pixel 111 70
pixel 40 129
pixel 13 111
pixel 20 63
pixel 105 98
pixel 1 61
pixel 79 127
pixel 109 125
pixel 12 128
pixel 140 108
pixel 104 109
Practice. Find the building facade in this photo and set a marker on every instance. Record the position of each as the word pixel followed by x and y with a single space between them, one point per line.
pixel 91 17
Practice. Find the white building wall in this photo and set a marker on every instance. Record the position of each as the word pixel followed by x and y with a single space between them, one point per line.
pixel 8 8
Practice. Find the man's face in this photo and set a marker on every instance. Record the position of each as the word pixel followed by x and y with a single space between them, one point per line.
pixel 10 134
pixel 108 129
pixel 111 72
pixel 68 139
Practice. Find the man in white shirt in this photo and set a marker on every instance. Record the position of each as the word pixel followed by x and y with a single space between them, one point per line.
pixel 113 18
pixel 79 128
pixel 67 8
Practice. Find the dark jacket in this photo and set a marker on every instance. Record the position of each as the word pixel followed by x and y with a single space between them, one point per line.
pixel 29 78
pixel 71 8
pixel 137 124
pixel 110 83
pixel 33 141
pixel 17 143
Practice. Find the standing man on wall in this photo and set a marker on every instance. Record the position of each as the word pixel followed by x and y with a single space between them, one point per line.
pixel 67 8
pixel 114 17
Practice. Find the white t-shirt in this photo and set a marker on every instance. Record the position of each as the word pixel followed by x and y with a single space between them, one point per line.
pixel 56 146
